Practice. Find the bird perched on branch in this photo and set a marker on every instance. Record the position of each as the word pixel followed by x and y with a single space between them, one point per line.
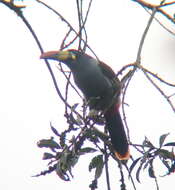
pixel 101 88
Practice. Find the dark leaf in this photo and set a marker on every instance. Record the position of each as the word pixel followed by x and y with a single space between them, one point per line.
pixel 94 162
pixel 73 160
pixel 166 154
pixel 99 168
pixel 147 143
pixel 150 168
pixel 148 163
pixel 76 121
pixel 143 162
pixel 47 156
pixel 151 172
pixel 172 169
pixel 48 143
pixel 170 144
pixel 87 150
pixel 162 139
pixel 67 161
pixel 134 164
pixel 54 131
pixel 138 172
pixel 166 164
pixel 61 173
pixel 97 163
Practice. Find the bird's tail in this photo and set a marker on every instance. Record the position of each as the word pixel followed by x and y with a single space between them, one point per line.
pixel 117 133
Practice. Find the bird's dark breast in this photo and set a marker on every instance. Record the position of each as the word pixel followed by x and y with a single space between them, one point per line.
pixel 96 88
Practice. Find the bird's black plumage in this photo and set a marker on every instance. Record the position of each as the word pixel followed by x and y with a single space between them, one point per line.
pixel 101 88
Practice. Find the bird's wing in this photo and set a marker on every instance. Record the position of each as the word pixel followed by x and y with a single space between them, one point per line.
pixel 107 71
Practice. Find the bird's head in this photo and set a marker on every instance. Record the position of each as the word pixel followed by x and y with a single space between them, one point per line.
pixel 68 56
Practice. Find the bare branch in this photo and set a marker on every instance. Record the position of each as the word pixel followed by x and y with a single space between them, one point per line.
pixel 138 59
pixel 161 24
pixel 161 91
pixel 158 7
pixel 64 20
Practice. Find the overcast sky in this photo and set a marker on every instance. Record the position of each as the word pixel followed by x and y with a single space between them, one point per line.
pixel 28 100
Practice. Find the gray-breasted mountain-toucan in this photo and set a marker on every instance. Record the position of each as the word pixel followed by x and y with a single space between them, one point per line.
pixel 101 88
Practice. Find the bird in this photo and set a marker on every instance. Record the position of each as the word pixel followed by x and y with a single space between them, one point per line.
pixel 101 89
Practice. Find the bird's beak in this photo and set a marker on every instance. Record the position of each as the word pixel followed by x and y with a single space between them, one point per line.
pixel 57 55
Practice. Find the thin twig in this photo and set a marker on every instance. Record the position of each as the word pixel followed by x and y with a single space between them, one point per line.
pixel 123 185
pixel 84 22
pixel 66 91
pixel 107 171
pixel 62 46
pixel 138 59
pixel 64 73
pixel 157 184
pixel 20 14
pixel 80 23
pixel 161 91
pixel 161 24
pixel 138 62
pixel 158 7
pixel 156 76
pixel 64 20
pixel 106 165
pixel 132 180
pixel 167 4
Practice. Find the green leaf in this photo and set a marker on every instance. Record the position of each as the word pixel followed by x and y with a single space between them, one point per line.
pixel 170 144
pixel 97 164
pixel 134 164
pixel 138 172
pixel 150 168
pixel 73 160
pixel 166 154
pixel 151 172
pixel 147 143
pixel 76 121
pixel 142 163
pixel 99 168
pixel 48 143
pixel 61 173
pixel 162 139
pixel 47 156
pixel 93 163
pixel 67 161
pixel 86 150
pixel 54 131
pixel 166 163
